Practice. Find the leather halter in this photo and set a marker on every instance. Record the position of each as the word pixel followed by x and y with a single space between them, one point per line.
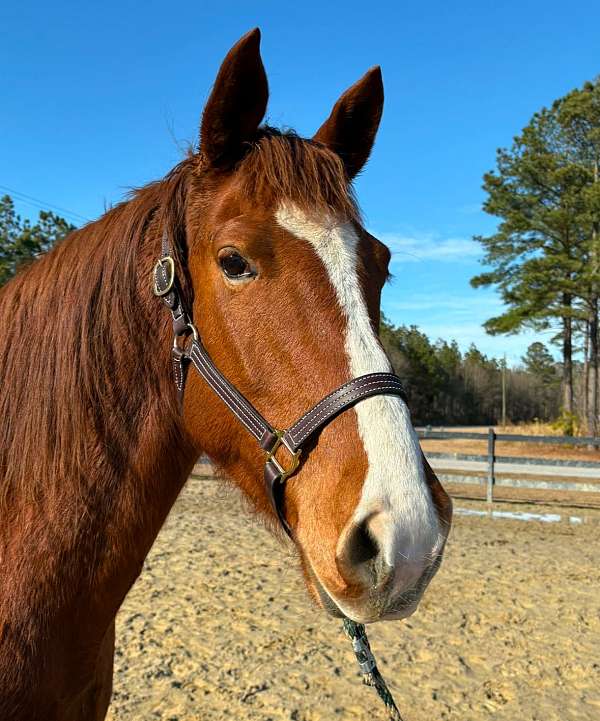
pixel 270 439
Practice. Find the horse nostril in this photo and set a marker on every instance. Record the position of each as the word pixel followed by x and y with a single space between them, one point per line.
pixel 360 545
pixel 360 556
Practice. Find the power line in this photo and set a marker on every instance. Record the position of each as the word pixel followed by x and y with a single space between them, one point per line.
pixel 42 204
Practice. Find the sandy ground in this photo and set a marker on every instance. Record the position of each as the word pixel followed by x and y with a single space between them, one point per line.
pixel 219 627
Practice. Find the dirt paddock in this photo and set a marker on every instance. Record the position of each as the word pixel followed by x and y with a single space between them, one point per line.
pixel 219 627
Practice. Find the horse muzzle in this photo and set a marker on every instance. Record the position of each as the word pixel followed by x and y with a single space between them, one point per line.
pixel 388 599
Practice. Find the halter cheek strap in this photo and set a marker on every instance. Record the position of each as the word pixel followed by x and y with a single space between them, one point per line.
pixel 270 439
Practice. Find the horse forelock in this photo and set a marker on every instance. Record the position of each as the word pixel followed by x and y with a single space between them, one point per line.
pixel 283 167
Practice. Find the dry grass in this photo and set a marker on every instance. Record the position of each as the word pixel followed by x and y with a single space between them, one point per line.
pixel 533 428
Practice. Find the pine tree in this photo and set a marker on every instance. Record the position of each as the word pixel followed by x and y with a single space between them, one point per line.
pixel 539 362
pixel 538 253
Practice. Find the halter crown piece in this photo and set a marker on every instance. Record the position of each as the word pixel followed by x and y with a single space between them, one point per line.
pixel 166 286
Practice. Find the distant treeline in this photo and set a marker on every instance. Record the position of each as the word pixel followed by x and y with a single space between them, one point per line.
pixel 446 386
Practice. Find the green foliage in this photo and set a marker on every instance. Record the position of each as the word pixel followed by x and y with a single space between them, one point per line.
pixel 21 241
pixel 567 423
pixel 539 362
pixel 538 253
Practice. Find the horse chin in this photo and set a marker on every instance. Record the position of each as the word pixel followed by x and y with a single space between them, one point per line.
pixel 368 613
pixel 399 615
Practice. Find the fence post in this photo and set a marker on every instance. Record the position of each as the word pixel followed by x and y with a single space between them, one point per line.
pixel 491 458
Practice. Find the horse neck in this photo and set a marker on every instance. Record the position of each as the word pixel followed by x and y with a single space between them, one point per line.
pixel 96 453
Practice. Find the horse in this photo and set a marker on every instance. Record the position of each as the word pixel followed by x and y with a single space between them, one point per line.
pixel 283 283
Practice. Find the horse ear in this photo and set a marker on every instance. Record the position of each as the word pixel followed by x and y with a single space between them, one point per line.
pixel 351 128
pixel 236 105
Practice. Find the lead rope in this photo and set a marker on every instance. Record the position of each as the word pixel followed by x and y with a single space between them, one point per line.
pixel 368 666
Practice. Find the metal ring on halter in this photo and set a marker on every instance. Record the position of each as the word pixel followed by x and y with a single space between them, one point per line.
pixel 295 456
pixel 189 328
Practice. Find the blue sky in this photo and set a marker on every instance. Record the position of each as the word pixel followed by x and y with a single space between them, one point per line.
pixel 101 97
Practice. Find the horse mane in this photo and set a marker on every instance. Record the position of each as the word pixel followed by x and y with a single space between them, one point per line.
pixel 80 324
pixel 76 331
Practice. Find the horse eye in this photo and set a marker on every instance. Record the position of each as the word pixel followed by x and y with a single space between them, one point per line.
pixel 234 265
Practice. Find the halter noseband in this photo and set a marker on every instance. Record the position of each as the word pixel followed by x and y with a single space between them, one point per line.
pixel 270 439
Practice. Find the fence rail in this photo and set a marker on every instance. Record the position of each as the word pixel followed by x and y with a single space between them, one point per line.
pixel 556 440
pixel 560 468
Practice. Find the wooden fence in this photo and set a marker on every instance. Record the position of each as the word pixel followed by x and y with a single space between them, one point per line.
pixel 554 466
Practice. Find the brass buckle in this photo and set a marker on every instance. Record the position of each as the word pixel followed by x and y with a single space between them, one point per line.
pixel 295 455
pixel 168 263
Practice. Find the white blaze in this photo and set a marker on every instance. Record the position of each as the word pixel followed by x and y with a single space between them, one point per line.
pixel 395 481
